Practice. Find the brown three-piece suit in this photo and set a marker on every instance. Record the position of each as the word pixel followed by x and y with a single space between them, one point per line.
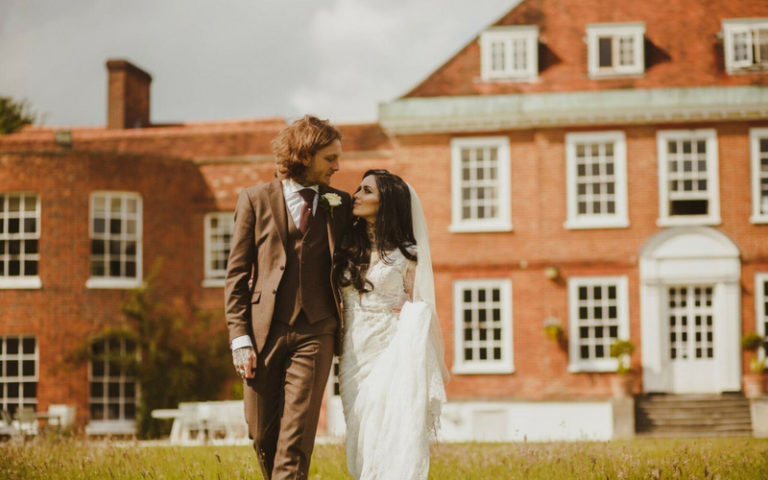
pixel 279 290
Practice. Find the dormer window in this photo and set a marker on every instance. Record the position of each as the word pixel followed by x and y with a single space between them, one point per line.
pixel 615 49
pixel 510 53
pixel 746 44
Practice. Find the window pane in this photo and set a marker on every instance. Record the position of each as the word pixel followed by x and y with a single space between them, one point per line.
pixel 30 247
pixel 30 225
pixel 604 51
pixel 29 390
pixel 30 203
pixel 113 411
pixel 12 345
pixel 97 411
pixel 97 389
pixel 97 247
pixel 114 390
pixel 97 268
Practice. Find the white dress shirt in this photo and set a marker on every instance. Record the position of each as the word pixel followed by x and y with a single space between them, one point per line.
pixel 294 201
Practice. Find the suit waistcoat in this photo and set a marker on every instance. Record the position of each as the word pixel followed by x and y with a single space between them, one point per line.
pixel 305 285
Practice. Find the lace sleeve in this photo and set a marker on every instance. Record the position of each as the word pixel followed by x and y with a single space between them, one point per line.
pixel 408 279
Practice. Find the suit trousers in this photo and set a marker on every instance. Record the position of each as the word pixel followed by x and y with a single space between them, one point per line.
pixel 282 401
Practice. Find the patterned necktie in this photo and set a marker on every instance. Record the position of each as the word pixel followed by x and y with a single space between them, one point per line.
pixel 306 210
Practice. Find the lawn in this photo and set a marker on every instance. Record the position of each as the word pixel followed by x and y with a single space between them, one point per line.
pixel 739 458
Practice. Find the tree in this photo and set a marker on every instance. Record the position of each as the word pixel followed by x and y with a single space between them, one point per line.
pixel 181 356
pixel 14 115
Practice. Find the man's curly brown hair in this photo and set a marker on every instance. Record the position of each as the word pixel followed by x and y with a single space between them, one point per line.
pixel 299 141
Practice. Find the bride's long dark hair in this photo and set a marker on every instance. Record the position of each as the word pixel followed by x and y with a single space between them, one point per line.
pixel 393 229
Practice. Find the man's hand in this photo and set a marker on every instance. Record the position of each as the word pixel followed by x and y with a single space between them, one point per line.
pixel 245 361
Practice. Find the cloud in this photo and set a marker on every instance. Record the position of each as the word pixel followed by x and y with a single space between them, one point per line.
pixel 234 58
pixel 370 51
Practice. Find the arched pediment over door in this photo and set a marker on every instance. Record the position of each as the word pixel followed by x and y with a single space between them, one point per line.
pixel 690 311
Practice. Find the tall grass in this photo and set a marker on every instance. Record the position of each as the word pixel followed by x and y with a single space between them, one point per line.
pixel 739 458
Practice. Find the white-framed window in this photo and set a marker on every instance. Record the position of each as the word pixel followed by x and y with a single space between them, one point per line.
pixel 745 44
pixel 218 240
pixel 113 389
pixel 758 140
pixel 510 53
pixel 688 177
pixel 761 310
pixel 598 316
pixel 115 233
pixel 19 360
pixel 615 49
pixel 480 184
pixel 596 171
pixel 482 326
pixel 19 240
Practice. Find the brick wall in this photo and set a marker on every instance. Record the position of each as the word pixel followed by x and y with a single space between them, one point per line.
pixel 682 47
pixel 64 312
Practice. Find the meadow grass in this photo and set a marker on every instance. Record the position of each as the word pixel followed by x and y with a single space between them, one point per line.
pixel 733 458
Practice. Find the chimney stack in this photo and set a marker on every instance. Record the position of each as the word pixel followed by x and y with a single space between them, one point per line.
pixel 127 96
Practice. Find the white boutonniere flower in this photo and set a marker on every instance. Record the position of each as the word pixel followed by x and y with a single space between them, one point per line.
pixel 332 200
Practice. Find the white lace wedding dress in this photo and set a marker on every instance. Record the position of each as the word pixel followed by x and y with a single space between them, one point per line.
pixel 390 377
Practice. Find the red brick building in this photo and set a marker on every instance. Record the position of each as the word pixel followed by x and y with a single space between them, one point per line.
pixel 606 169
pixel 597 166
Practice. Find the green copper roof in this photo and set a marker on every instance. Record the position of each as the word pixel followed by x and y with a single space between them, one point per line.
pixel 491 112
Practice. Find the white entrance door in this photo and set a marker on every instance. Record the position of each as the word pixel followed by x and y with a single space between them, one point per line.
pixel 690 312
pixel 690 324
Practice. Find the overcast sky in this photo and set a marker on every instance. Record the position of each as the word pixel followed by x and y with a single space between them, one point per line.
pixel 231 59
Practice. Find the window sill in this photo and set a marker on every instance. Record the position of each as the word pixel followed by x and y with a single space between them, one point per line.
pixel 593 367
pixel 587 224
pixel 758 220
pixel 747 70
pixel 482 369
pixel 687 221
pixel 618 75
pixel 213 283
pixel 20 283
pixel 115 283
pixel 509 79
pixel 479 228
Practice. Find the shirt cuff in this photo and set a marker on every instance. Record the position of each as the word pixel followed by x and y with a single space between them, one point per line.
pixel 241 342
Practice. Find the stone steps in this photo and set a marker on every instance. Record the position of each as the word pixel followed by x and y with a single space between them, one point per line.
pixel 692 415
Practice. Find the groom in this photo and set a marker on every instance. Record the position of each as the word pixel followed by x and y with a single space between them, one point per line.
pixel 281 306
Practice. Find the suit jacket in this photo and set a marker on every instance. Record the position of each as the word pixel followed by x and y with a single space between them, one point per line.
pixel 258 254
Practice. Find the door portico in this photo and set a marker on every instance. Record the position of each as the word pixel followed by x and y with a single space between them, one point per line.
pixel 690 312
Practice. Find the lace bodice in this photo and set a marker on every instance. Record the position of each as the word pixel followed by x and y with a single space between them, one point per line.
pixel 390 286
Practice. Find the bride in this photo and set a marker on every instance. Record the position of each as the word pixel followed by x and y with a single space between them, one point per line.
pixel 392 370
